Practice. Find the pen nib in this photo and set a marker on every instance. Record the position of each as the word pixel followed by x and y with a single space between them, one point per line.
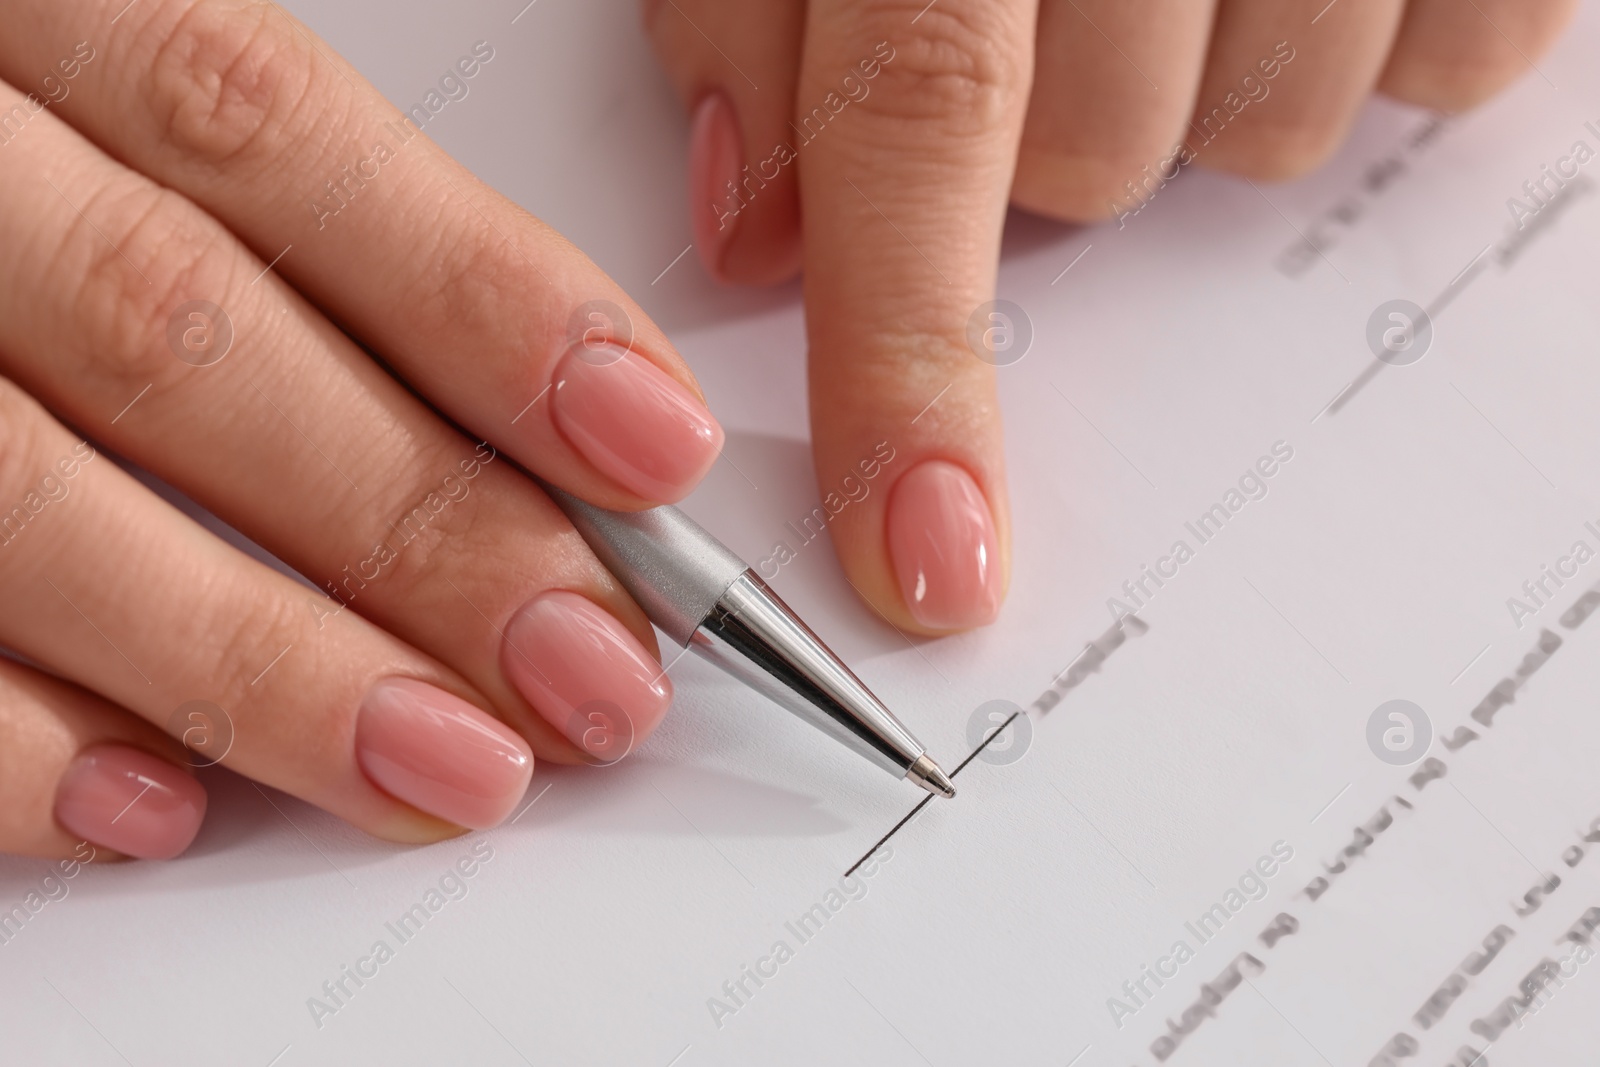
pixel 927 774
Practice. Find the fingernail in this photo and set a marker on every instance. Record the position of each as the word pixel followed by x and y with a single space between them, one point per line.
pixel 944 548
pixel 438 753
pixel 716 156
pixel 585 673
pixel 634 422
pixel 130 801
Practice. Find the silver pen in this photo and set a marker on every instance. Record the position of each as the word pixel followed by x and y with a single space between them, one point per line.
pixel 706 598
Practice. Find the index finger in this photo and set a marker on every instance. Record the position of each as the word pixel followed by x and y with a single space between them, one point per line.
pixel 488 312
pixel 910 115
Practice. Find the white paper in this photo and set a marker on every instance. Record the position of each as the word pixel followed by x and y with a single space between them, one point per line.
pixel 615 914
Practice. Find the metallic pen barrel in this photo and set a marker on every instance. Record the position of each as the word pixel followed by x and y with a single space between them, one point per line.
pixel 704 597
pixel 754 636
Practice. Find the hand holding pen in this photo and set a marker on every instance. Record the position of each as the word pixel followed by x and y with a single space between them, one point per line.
pixel 227 258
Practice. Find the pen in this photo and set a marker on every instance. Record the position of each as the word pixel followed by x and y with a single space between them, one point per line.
pixel 706 598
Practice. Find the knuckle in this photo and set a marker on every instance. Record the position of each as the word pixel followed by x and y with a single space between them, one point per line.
pixel 1459 70
pixel 240 645
pixel 158 253
pixel 420 537
pixel 1452 84
pixel 427 538
pixel 1275 153
pixel 906 366
pixel 1081 183
pixel 226 82
pixel 475 285
pixel 952 69
pixel 1284 162
pixel 1068 190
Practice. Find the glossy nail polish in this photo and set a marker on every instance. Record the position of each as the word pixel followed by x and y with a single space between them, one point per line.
pixel 943 545
pixel 126 799
pixel 441 754
pixel 634 422
pixel 585 673
pixel 716 158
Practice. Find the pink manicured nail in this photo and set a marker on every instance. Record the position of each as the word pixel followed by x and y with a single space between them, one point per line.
pixel 438 753
pixel 634 422
pixel 716 157
pixel 944 548
pixel 131 801
pixel 585 673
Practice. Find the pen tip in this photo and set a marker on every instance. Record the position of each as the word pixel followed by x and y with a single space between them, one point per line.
pixel 928 775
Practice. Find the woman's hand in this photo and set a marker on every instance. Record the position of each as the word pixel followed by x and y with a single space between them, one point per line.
pixel 211 231
pixel 877 143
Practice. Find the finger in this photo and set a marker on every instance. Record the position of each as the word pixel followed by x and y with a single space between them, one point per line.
pixel 82 781
pixel 1113 88
pixel 293 435
pixel 1284 80
pixel 734 67
pixel 485 310
pixel 346 717
pixel 903 197
pixel 1452 56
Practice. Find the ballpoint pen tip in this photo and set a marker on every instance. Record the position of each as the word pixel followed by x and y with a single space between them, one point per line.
pixel 928 775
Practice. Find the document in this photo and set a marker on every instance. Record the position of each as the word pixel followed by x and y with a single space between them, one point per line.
pixel 1282 752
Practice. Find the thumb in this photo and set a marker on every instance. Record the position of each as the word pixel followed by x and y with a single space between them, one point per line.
pixel 733 64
